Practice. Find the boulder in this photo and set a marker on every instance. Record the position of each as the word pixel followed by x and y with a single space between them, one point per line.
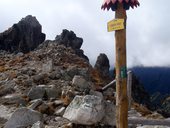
pixel 60 111
pixel 110 114
pixel 53 92
pixel 85 110
pixel 23 117
pixel 24 36
pixel 102 65
pixel 36 93
pixel 48 66
pixel 35 103
pixel 80 83
pixel 38 124
pixel 44 91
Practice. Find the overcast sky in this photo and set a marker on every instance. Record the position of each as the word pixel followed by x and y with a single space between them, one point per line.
pixel 148 27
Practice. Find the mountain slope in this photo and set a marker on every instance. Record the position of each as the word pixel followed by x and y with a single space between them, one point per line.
pixel 154 79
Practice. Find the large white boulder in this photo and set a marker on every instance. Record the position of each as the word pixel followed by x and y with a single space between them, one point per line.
pixel 85 110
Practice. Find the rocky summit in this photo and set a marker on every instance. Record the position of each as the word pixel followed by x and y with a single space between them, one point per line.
pixel 54 85
pixel 24 36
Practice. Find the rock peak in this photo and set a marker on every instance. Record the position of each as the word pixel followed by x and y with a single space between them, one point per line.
pixel 24 36
pixel 30 20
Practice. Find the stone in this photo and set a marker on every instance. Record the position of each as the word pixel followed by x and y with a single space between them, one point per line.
pixel 110 114
pixel 85 110
pixel 16 99
pixel 67 95
pixel 7 87
pixel 58 102
pixel 60 111
pixel 102 65
pixel 48 66
pixel 23 117
pixel 80 83
pixel 38 124
pixel 36 103
pixel 52 92
pixel 24 36
pixel 96 93
pixel 55 74
pixel 6 112
pixel 41 78
pixel 43 108
pixel 133 113
pixel 44 91
pixel 36 93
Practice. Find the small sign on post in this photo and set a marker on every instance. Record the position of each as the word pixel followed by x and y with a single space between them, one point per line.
pixel 116 24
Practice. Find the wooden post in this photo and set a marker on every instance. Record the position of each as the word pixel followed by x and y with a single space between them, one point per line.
pixel 121 72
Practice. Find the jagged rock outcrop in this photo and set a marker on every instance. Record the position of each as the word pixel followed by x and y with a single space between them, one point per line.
pixel 69 39
pixel 102 65
pixel 139 94
pixel 24 36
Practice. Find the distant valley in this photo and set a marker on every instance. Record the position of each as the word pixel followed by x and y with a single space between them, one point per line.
pixel 154 79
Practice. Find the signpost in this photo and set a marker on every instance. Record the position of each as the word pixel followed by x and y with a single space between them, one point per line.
pixel 116 24
pixel 119 26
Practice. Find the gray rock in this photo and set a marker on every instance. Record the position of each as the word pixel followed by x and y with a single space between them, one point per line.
pixel 55 74
pixel 86 110
pixel 23 36
pixel 80 83
pixel 7 87
pixel 44 91
pixel 15 99
pixel 38 124
pixel 36 93
pixel 48 66
pixel 134 113
pixel 58 102
pixel 41 78
pixel 110 114
pixel 60 111
pixel 96 93
pixel 36 103
pixel 6 112
pixel 53 92
pixel 23 117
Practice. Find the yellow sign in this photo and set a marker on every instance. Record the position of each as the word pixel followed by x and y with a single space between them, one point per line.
pixel 116 24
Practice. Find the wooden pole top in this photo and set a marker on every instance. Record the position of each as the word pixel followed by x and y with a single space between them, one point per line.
pixel 113 4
